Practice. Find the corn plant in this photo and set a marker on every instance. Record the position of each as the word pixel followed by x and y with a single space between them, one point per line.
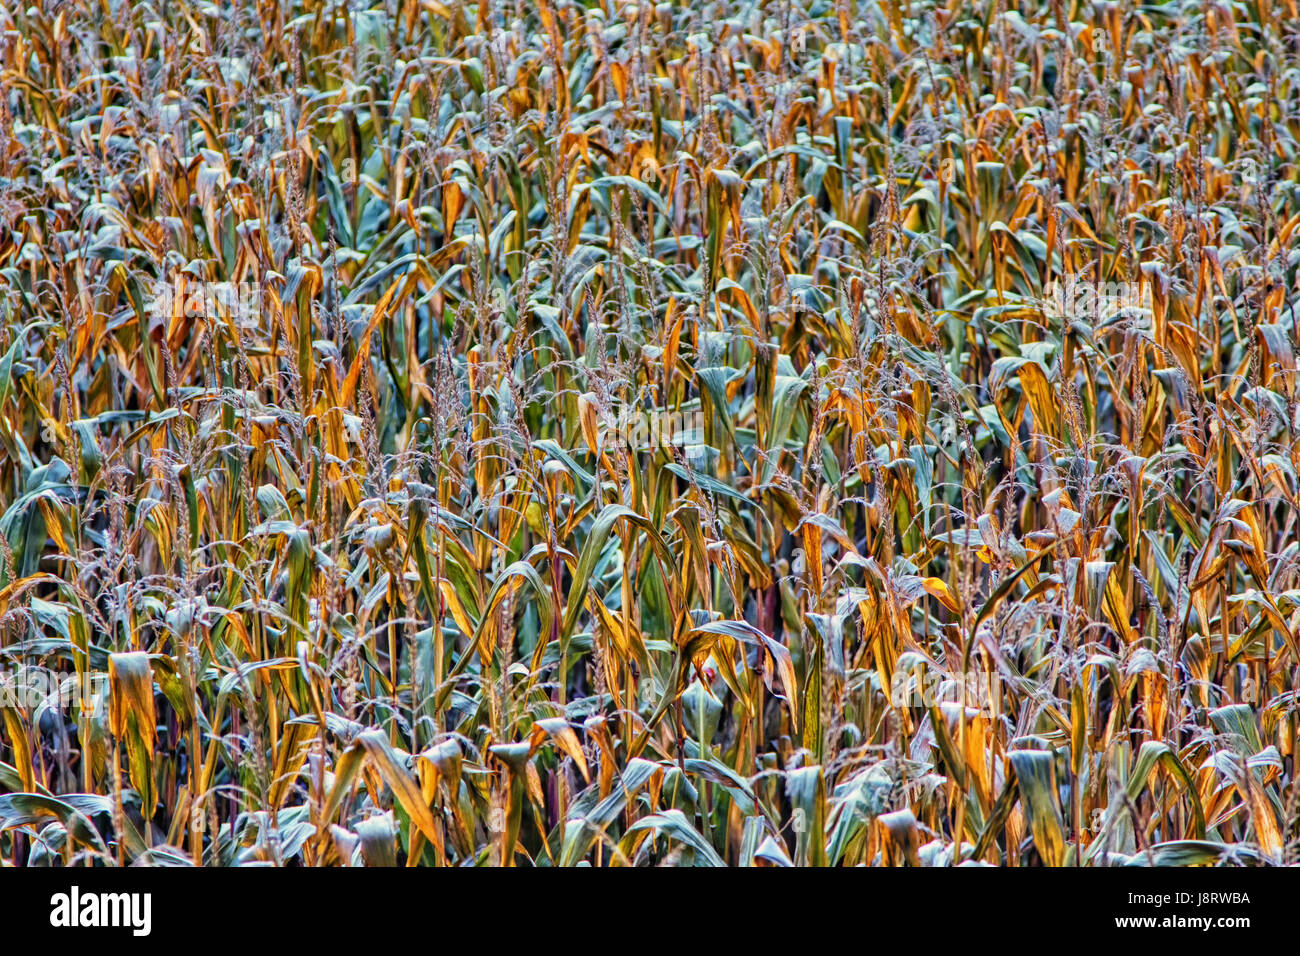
pixel 732 433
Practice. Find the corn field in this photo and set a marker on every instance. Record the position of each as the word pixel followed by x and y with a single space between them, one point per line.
pixel 593 432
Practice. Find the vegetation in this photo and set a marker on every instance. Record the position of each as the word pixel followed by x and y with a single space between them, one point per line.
pixel 747 432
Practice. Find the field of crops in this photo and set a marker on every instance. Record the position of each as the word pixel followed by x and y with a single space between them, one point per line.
pixel 747 432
